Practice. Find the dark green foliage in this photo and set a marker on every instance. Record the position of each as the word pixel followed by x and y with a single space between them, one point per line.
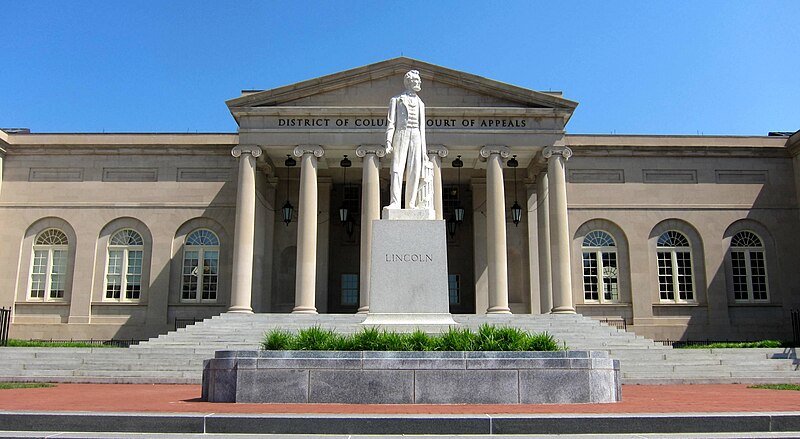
pixel 24 385
pixel 776 386
pixel 278 340
pixel 737 345
pixel 488 338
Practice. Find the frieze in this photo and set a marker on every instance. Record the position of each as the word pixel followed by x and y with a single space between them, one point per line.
pixel 471 123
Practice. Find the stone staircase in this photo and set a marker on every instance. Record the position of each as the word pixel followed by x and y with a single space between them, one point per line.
pixel 177 357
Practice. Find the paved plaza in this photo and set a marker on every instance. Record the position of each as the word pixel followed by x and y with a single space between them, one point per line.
pixel 173 408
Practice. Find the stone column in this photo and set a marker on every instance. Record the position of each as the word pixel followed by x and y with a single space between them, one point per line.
pixel 556 156
pixel 497 258
pixel 305 284
pixel 370 211
pixel 2 157
pixel 244 234
pixel 543 232
pixel 436 153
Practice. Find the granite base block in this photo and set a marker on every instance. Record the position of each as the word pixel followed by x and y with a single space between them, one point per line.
pixel 563 377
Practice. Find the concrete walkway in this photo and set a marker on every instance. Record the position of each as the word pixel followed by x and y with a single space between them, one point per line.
pixel 154 408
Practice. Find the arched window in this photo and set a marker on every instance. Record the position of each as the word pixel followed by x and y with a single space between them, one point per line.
pixel 49 265
pixel 674 253
pixel 749 268
pixel 124 268
pixel 200 281
pixel 600 282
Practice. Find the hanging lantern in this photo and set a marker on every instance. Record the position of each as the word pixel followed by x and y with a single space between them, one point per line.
pixel 288 209
pixel 343 211
pixel 516 209
pixel 459 211
pixel 516 213
pixel 451 228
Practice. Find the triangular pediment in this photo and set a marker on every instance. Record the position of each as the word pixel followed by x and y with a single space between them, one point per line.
pixel 374 84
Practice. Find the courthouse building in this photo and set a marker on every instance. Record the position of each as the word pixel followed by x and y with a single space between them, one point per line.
pixel 121 235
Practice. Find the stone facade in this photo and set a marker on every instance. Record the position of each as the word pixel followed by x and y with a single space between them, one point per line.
pixel 681 236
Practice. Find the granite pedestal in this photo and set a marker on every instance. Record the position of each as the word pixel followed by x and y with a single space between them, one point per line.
pixel 562 377
pixel 408 276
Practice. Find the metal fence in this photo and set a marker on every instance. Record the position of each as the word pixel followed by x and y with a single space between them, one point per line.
pixel 120 343
pixel 5 323
pixel 182 323
pixel 621 324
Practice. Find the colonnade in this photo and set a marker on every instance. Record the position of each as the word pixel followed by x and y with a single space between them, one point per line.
pixel 554 275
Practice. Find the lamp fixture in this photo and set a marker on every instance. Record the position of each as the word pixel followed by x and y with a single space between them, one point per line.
pixel 458 212
pixel 516 209
pixel 288 209
pixel 344 214
pixel 451 227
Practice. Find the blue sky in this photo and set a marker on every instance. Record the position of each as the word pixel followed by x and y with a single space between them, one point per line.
pixel 637 67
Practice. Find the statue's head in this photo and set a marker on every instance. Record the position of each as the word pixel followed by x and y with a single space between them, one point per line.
pixel 413 81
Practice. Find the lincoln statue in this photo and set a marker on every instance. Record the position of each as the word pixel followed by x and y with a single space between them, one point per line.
pixel 405 140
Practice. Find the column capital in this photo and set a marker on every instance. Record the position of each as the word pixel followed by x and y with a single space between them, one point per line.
pixel 253 150
pixel 439 150
pixel 301 150
pixel 557 149
pixel 378 150
pixel 504 151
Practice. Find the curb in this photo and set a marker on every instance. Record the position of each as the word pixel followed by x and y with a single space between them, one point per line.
pixel 210 423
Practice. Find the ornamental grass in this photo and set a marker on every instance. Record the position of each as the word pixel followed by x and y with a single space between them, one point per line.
pixel 487 338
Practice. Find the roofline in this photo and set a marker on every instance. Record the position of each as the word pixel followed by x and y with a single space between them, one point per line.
pixel 658 140
pixel 120 138
pixel 371 71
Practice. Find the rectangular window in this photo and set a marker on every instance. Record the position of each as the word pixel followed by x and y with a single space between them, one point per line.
pixel 611 288
pixel 349 289
pixel 454 288
pixel 666 287
pixel 590 290
pixel 59 274
pixel 190 262
pixel 683 263
pixel 133 279
pixel 739 268
pixel 39 274
pixel 758 269
pixel 210 274
pixel 114 275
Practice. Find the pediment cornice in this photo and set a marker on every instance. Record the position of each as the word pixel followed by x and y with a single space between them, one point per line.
pixel 395 66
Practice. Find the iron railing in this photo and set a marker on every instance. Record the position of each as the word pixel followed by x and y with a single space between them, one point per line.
pixel 5 323
pixel 182 323
pixel 621 324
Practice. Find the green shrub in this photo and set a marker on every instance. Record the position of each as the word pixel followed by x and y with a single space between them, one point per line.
pixel 776 386
pixel 5 386
pixel 737 345
pixel 488 338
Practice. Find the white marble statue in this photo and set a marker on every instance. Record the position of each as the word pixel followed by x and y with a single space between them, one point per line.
pixel 405 140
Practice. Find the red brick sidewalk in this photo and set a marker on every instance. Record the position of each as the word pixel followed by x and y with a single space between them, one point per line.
pixel 186 398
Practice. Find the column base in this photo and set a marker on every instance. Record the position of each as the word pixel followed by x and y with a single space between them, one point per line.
pixel 498 310
pixel 563 310
pixel 363 310
pixel 304 310
pixel 241 309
